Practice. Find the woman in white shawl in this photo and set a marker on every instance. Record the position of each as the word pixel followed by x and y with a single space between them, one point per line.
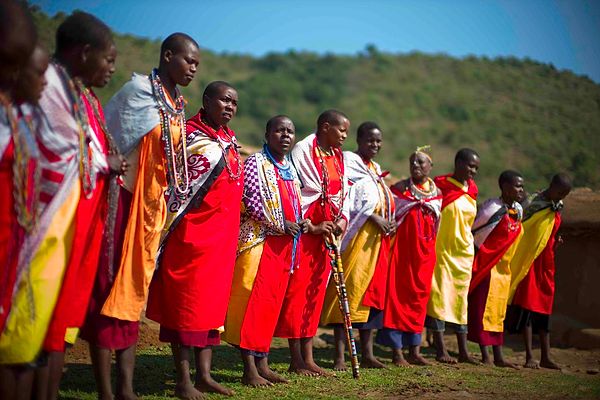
pixel 364 248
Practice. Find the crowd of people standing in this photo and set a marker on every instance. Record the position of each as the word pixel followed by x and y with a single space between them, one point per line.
pixel 111 212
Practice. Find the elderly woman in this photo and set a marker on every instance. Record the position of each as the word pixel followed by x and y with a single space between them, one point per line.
pixel 412 259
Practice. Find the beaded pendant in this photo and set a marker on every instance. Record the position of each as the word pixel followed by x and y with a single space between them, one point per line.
pixel 177 165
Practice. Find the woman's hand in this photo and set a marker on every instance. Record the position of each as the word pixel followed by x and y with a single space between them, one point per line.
pixel 117 163
pixel 387 227
pixel 292 228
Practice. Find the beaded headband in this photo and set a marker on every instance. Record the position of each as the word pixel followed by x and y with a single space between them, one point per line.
pixel 425 151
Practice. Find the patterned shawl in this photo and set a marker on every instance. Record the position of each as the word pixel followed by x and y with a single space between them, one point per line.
pixel 58 141
pixel 364 194
pixel 262 211
pixel 409 198
pixel 537 202
pixel 303 158
pixel 489 215
pixel 205 164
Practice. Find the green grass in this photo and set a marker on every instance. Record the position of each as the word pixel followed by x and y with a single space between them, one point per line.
pixel 155 379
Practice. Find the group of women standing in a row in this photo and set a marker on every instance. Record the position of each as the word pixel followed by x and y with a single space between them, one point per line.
pixel 133 206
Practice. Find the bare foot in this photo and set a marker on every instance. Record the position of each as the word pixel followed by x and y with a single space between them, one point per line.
pixel 301 369
pixel 371 363
pixel 271 376
pixel 209 385
pixel 255 381
pixel 549 364
pixel 339 364
pixel 487 362
pixel 417 359
pixel 531 363
pixel 187 392
pixel 506 364
pixel 400 362
pixel 446 359
pixel 320 371
pixel 467 359
pixel 106 396
pixel 126 395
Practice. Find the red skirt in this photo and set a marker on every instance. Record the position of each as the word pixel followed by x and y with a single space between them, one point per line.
pixel 536 292
pixel 190 290
pixel 11 234
pixel 477 300
pixel 100 330
pixel 303 302
pixel 266 300
pixel 80 274
pixel 411 269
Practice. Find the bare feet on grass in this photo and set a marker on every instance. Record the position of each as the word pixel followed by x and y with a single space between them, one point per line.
pixel 446 359
pixel 531 363
pixel 271 375
pixel 320 371
pixel 339 365
pixel 301 369
pixel 468 359
pixel 417 359
pixel 506 364
pixel 255 381
pixel 209 385
pixel 371 363
pixel 548 363
pixel 187 391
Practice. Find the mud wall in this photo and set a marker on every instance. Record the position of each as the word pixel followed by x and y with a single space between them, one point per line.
pixel 578 274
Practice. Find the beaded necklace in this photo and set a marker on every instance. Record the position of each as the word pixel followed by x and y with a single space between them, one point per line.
pixel 514 216
pixel 86 92
pixel 387 212
pixel 177 166
pixel 25 149
pixel 284 168
pixel 80 116
pixel 325 180
pixel 229 138
pixel 420 195
pixel 286 174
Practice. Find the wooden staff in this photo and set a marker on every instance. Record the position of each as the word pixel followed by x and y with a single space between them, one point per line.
pixel 340 286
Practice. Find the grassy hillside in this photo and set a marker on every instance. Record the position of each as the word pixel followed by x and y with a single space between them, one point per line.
pixel 517 114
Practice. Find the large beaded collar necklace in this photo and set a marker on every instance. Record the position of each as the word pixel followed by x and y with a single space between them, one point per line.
pixel 177 159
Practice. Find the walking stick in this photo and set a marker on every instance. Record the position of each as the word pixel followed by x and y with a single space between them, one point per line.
pixel 340 286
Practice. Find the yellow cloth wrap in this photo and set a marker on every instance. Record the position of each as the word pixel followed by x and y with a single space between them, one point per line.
pixel 244 273
pixel 71 335
pixel 537 231
pixel 497 298
pixel 454 251
pixel 38 289
pixel 359 260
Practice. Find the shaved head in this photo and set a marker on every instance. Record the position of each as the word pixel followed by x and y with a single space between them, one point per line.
pixel 17 39
pixel 465 155
pixel 333 117
pixel 177 42
pixel 561 180
pixel 275 119
pixel 508 176
pixel 80 29
pixel 214 88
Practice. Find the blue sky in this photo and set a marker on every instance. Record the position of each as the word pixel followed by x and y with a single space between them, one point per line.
pixel 563 32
